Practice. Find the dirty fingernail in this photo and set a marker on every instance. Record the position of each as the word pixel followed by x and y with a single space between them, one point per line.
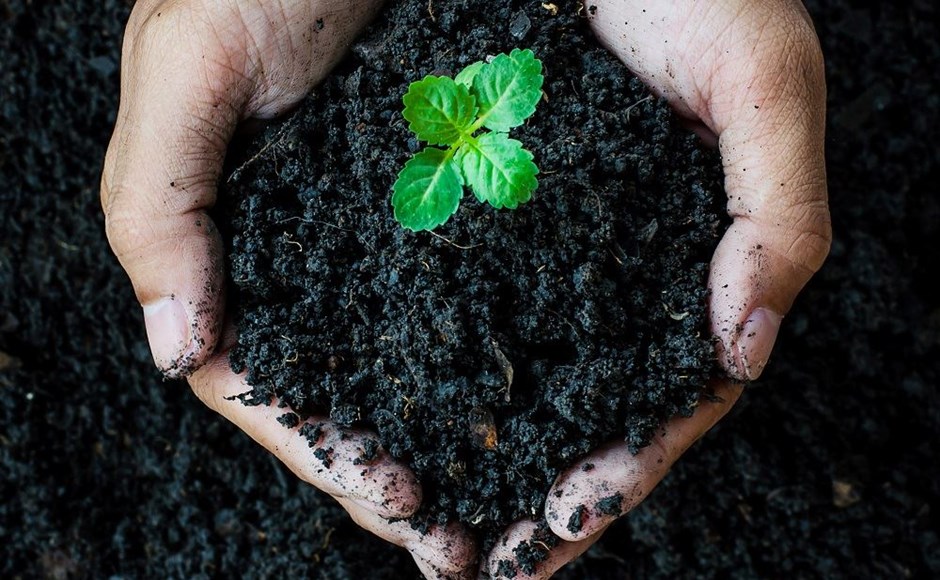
pixel 168 331
pixel 756 340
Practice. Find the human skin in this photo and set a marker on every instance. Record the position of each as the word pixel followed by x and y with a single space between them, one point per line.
pixel 747 74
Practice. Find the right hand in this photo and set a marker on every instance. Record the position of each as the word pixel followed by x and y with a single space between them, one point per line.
pixel 749 76
pixel 191 71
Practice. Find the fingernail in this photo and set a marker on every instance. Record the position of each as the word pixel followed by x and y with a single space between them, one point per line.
pixel 169 334
pixel 756 340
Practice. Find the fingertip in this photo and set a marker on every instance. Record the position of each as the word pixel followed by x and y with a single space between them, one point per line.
pixel 590 495
pixel 388 489
pixel 573 523
pixel 755 341
pixel 752 285
pixel 176 267
pixel 529 551
pixel 181 336
pixel 450 548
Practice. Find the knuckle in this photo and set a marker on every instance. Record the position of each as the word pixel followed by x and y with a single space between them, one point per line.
pixel 203 390
pixel 810 247
pixel 795 53
pixel 157 21
pixel 120 227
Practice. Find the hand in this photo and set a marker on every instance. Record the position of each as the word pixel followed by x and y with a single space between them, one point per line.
pixel 749 75
pixel 191 71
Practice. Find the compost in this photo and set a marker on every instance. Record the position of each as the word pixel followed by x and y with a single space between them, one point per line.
pixel 496 350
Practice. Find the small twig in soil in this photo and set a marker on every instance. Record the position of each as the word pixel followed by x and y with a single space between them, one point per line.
pixel 477 517
pixel 565 320
pixel 431 11
pixel 543 544
pixel 276 141
pixel 458 246
pixel 329 225
pixel 409 403
pixel 619 261
pixel 629 109
pixel 324 545
pixel 677 316
pixel 504 366
pixel 294 242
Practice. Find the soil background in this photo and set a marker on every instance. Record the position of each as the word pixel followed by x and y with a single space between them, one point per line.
pixel 827 468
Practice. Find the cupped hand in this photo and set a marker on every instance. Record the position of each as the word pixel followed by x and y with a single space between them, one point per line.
pixel 192 70
pixel 748 74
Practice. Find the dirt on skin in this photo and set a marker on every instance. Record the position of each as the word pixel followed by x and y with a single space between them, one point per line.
pixel 827 468
pixel 496 350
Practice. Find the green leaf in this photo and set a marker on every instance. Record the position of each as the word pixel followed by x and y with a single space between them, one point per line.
pixel 439 110
pixel 466 76
pixel 498 170
pixel 427 191
pixel 508 89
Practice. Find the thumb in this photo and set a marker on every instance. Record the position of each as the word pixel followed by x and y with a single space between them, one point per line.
pixel 177 114
pixel 771 127
pixel 190 72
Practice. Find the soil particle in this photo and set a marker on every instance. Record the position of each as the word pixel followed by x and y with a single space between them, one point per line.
pixel 576 521
pixel 325 456
pixel 610 506
pixel 370 452
pixel 289 420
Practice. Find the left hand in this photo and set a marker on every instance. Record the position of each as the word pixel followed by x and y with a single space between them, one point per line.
pixel 749 75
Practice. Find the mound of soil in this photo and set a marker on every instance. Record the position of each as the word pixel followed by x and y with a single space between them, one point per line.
pixel 827 468
pixel 494 351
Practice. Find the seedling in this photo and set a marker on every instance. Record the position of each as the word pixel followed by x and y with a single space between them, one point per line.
pixel 498 96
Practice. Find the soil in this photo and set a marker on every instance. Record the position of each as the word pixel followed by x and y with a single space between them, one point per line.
pixel 492 353
pixel 827 467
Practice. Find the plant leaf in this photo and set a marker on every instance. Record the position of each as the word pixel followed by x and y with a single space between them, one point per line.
pixel 466 76
pixel 438 110
pixel 508 89
pixel 427 191
pixel 498 170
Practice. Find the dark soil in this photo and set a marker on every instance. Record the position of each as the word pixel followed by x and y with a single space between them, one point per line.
pixel 828 468
pixel 492 353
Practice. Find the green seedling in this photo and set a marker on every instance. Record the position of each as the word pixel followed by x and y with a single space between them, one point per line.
pixel 455 113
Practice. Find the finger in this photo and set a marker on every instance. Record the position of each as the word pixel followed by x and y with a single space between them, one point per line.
pixel 753 74
pixel 190 72
pixel 510 558
pixel 177 113
pixel 343 463
pixel 611 481
pixel 445 552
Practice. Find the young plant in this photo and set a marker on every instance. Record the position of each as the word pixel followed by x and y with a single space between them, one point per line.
pixel 498 96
